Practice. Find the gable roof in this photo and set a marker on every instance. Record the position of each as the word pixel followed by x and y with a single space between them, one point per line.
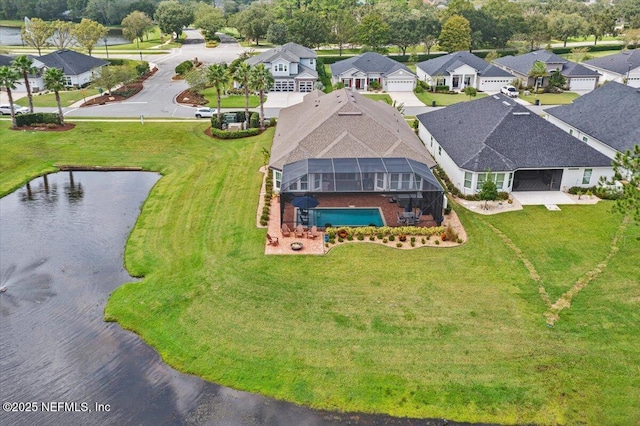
pixel 523 63
pixel 444 65
pixel 618 63
pixel 292 52
pixel 610 113
pixel 71 62
pixel 499 134
pixel 369 62
pixel 343 124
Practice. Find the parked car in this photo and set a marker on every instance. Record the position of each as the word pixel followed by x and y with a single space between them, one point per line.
pixel 6 109
pixel 509 90
pixel 205 112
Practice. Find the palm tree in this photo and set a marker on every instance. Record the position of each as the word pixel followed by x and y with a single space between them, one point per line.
pixel 24 65
pixel 54 80
pixel 241 75
pixel 8 78
pixel 218 77
pixel 261 80
pixel 538 70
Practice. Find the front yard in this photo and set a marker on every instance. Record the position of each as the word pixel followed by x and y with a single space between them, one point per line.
pixel 551 98
pixel 457 333
pixel 67 98
pixel 379 97
pixel 445 99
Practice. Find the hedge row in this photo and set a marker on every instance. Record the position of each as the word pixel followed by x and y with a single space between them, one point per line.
pixel 37 117
pixel 235 134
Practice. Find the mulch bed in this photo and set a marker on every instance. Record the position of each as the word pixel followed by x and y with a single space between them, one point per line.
pixel 191 98
pixel 62 128
pixel 121 93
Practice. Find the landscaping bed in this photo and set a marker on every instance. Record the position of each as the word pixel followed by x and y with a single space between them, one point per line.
pixel 122 93
pixel 189 97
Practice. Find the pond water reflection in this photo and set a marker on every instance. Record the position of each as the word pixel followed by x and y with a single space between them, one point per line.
pixel 10 36
pixel 61 255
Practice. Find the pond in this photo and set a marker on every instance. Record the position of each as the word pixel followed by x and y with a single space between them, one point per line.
pixel 61 256
pixel 10 36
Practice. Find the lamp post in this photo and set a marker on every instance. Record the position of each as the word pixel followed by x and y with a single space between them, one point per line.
pixel 106 46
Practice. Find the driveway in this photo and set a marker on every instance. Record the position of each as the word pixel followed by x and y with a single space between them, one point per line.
pixel 283 99
pixel 409 99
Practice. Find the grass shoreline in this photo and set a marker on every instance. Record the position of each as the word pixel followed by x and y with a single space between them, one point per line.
pixel 456 333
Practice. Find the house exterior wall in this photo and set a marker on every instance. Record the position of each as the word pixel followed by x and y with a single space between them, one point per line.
pixel 577 133
pixel 275 68
pixel 442 158
pixel 308 62
pixel 633 81
pixel 573 176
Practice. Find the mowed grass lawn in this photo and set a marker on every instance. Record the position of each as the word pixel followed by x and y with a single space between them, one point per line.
pixel 229 101
pixel 67 98
pixel 379 97
pixel 456 333
pixel 445 99
pixel 551 98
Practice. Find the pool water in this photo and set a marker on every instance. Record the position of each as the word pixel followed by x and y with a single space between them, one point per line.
pixel 346 217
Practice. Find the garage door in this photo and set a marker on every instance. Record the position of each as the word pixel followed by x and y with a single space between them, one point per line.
pixel 493 84
pixel 399 85
pixel 306 86
pixel 284 86
pixel 582 84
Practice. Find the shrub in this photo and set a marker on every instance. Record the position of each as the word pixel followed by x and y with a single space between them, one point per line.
pixel 37 117
pixel 236 134
pixel 338 85
pixel 142 68
pixel 398 244
pixel 437 242
pixel 215 123
pixel 423 241
pixel 374 85
pixel 264 222
pixel 384 240
pixel 372 238
pixel 392 238
pixel 254 120
pixel 272 121
pixel 360 237
pixel 443 88
pixel 450 233
pixel 184 67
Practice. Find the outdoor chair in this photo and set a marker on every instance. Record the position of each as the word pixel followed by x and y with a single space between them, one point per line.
pixel 286 232
pixel 400 218
pixel 299 231
pixel 313 234
pixel 272 241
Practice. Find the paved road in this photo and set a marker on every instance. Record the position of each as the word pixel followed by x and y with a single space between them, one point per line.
pixel 158 97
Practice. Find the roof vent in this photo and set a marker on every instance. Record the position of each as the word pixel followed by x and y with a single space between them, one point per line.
pixel 348 113
pixel 521 113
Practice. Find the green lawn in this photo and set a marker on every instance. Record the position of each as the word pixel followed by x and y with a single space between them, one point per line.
pixel 379 97
pixel 455 333
pixel 551 98
pixel 229 101
pixel 443 99
pixel 591 55
pixel 67 98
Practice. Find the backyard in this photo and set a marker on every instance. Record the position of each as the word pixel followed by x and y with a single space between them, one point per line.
pixel 458 333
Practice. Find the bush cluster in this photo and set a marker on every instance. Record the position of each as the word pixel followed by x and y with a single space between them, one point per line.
pixel 451 188
pixel 235 134
pixel 254 120
pixel 268 194
pixel 599 191
pixel 184 67
pixel 23 120
pixel 382 232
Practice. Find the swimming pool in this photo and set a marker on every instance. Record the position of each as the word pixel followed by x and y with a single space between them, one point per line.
pixel 352 216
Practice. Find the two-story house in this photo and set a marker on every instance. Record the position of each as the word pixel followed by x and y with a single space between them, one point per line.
pixel 292 66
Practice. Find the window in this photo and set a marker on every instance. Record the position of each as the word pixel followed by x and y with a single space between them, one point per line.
pixel 467 179
pixel 432 141
pixel 586 177
pixel 481 178
pixel 439 150
pixel 281 68
pixel 571 131
pixel 278 179
pixel 380 181
pixel 499 180
pixel 510 180
pixel 393 180
pixel 406 181
pixel 67 81
pixel 584 139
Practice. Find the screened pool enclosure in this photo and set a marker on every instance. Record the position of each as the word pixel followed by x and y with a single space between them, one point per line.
pixel 397 180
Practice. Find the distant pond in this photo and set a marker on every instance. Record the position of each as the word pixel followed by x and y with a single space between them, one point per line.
pixel 62 240
pixel 10 36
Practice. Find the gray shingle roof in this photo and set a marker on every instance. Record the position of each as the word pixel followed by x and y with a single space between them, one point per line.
pixel 369 62
pixel 499 134
pixel 443 64
pixel 343 124
pixel 523 64
pixel 71 62
pixel 292 52
pixel 618 63
pixel 610 114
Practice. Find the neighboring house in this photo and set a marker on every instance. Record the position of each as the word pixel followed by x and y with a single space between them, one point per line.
pixel 292 66
pixel 350 151
pixel 360 71
pixel 607 119
pixel 35 81
pixel 461 69
pixel 523 151
pixel 77 67
pixel 579 77
pixel 623 67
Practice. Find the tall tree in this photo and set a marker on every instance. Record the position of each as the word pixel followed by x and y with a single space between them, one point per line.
pixel 62 34
pixel 538 72
pixel 261 80
pixel 197 79
pixel 36 33
pixel 242 75
pixel 88 32
pixel 563 25
pixel 107 77
pixel 8 78
pixel 209 20
pixel 135 25
pixel 536 29
pixel 407 30
pixel 507 18
pixel 253 22
pixel 218 77
pixel 627 170
pixel 602 20
pixel 277 33
pixel 308 29
pixel 24 65
pixel 54 80
pixel 172 17
pixel 343 26
pixel 373 32
pixel 455 34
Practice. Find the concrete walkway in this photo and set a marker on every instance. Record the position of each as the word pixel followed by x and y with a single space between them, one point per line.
pixel 542 198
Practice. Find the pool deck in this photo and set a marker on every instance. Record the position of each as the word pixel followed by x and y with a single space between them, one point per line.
pixel 310 246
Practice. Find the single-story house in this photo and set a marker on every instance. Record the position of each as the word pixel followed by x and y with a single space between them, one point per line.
pixel 358 72
pixel 292 66
pixel 623 67
pixel 35 80
pixel 607 119
pixel 349 152
pixel 461 69
pixel 77 67
pixel 523 151
pixel 579 77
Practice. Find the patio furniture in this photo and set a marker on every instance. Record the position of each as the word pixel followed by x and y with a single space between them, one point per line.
pixel 401 219
pixel 286 232
pixel 272 241
pixel 313 234
pixel 299 231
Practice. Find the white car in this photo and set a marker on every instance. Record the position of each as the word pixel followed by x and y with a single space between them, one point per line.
pixel 509 90
pixel 206 112
pixel 17 109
